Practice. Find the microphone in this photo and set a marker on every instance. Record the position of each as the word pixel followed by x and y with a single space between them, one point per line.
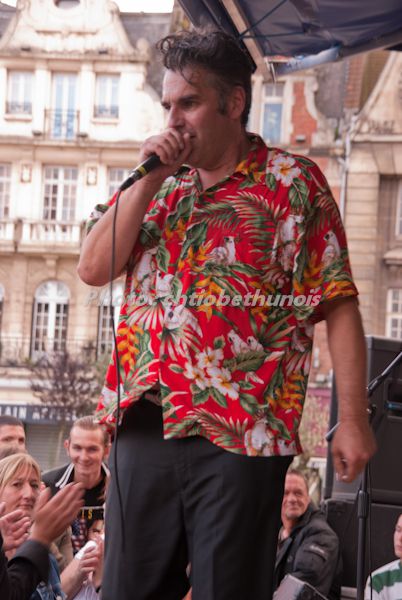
pixel 139 172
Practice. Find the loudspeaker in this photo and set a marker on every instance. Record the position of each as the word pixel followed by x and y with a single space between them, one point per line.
pixel 385 466
pixel 342 517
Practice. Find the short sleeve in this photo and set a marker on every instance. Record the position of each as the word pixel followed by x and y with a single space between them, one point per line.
pixel 98 212
pixel 322 269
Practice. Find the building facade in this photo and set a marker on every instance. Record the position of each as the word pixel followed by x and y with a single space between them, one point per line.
pixel 75 104
pixel 374 207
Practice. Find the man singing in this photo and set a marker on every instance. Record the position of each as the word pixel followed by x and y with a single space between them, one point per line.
pixel 233 251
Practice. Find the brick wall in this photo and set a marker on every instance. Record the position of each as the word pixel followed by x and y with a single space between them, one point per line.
pixel 302 121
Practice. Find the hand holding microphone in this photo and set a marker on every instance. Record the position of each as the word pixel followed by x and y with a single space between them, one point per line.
pixel 168 149
pixel 149 164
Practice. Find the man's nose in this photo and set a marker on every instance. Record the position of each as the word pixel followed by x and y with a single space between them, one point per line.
pixel 175 118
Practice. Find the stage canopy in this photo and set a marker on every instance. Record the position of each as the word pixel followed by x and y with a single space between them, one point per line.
pixel 297 34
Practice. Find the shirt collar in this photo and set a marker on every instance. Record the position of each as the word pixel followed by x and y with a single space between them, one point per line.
pixel 254 163
pixel 253 166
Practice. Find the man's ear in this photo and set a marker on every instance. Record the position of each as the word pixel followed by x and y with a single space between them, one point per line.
pixel 236 102
pixel 67 446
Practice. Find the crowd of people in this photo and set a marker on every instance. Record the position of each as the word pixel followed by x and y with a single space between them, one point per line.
pixel 207 388
pixel 51 526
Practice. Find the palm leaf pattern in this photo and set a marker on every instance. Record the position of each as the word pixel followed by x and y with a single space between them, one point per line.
pixel 234 373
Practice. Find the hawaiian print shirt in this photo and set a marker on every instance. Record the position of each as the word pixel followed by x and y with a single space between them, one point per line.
pixel 223 288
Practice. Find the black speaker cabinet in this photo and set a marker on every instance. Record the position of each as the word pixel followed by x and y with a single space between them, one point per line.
pixel 386 470
pixel 342 517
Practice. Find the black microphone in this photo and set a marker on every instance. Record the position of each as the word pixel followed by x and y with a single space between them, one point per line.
pixel 139 172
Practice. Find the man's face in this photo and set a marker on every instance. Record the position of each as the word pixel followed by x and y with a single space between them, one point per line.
pixel 398 538
pixel 86 451
pixel 12 435
pixel 295 497
pixel 194 108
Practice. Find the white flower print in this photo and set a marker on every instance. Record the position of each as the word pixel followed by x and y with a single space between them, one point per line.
pixel 222 380
pixel 284 170
pixel 210 358
pixel 197 375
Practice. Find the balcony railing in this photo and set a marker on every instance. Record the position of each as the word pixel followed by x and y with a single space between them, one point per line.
pixel 40 234
pixel 13 350
pixel 7 229
pixel 61 124
pixel 16 351
pixel 51 231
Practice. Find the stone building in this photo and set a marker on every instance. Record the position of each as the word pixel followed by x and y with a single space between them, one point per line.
pixel 374 202
pixel 78 94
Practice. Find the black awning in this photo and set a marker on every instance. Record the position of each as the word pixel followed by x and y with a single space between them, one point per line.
pixel 304 32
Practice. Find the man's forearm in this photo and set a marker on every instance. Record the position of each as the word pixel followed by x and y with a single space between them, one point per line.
pixel 94 264
pixel 348 352
pixel 353 443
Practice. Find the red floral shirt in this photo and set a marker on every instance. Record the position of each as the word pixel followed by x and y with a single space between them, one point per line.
pixel 223 288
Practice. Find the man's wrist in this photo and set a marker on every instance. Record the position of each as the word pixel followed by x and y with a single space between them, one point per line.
pixel 143 191
pixel 358 416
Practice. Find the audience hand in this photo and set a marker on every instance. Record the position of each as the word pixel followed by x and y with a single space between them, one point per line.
pixel 91 560
pixel 14 528
pixel 54 515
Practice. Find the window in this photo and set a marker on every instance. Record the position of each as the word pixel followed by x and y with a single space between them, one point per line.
pixel 394 314
pixel 105 333
pixel 60 191
pixel 107 96
pixel 49 321
pixel 116 176
pixel 272 112
pixel 64 115
pixel 19 95
pixel 5 179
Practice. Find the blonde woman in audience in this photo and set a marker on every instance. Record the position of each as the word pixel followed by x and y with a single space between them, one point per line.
pixel 20 485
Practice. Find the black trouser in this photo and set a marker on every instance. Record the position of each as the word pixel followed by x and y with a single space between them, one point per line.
pixel 187 500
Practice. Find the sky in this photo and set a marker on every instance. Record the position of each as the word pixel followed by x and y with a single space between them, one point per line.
pixel 132 5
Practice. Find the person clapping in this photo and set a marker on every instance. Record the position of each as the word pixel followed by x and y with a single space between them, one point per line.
pixel 29 522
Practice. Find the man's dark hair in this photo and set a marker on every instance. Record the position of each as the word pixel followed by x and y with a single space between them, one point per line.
pixel 294 471
pixel 215 51
pixel 9 420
